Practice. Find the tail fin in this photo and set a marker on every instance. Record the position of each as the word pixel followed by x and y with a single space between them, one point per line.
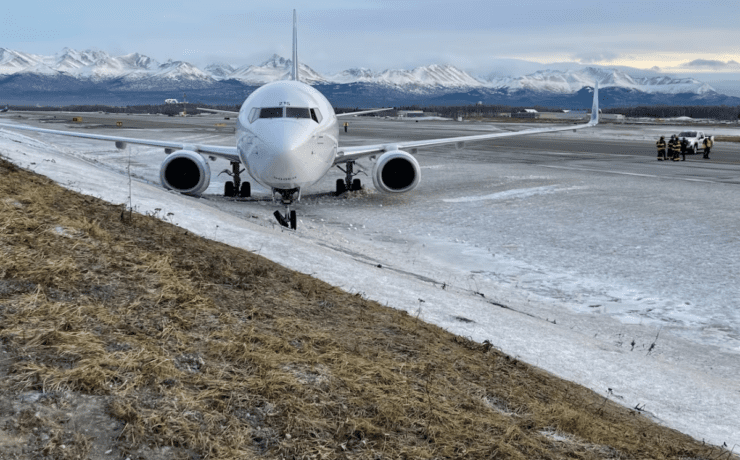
pixel 295 48
pixel 595 107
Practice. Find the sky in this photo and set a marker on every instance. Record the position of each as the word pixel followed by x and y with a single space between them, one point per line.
pixel 672 37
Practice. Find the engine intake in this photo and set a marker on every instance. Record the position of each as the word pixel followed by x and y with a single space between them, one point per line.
pixel 186 172
pixel 396 172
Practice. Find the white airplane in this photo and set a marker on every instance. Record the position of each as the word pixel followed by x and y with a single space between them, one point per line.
pixel 287 137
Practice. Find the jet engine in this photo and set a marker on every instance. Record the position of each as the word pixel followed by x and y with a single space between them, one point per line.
pixel 396 172
pixel 186 172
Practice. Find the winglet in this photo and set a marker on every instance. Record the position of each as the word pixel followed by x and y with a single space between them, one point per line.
pixel 295 48
pixel 595 107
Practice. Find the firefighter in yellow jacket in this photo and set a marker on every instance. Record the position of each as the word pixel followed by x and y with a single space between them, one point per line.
pixel 674 148
pixel 661 148
pixel 708 143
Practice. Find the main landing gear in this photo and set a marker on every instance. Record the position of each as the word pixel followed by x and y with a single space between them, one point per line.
pixel 244 189
pixel 348 183
pixel 288 219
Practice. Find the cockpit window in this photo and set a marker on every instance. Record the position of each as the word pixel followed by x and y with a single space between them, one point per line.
pixel 316 115
pixel 297 112
pixel 271 112
pixel 253 114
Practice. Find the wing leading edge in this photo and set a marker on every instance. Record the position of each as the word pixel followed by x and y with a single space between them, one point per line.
pixel 350 114
pixel 353 153
pixel 228 153
pixel 230 112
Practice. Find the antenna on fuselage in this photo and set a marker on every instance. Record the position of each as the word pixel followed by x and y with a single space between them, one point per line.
pixel 295 48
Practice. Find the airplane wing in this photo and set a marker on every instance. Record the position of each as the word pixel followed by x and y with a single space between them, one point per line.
pixel 345 154
pixel 350 114
pixel 228 153
pixel 229 112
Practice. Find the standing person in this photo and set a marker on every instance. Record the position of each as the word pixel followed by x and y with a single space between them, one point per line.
pixel 707 145
pixel 684 147
pixel 661 148
pixel 674 148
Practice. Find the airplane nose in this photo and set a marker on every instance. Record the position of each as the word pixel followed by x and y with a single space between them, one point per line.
pixel 287 144
pixel 286 137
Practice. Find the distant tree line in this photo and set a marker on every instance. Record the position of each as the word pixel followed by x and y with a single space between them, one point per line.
pixel 454 111
pixel 721 112
pixel 166 109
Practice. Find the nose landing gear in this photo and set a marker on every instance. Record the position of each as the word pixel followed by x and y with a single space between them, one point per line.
pixel 288 219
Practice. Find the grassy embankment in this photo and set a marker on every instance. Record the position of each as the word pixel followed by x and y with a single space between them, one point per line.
pixel 194 349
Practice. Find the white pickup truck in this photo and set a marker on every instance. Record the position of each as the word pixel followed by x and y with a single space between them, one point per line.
pixel 695 139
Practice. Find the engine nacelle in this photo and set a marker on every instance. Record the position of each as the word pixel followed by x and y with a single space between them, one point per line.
pixel 396 172
pixel 186 172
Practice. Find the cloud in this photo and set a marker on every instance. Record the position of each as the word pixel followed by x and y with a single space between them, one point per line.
pixel 711 64
pixel 593 57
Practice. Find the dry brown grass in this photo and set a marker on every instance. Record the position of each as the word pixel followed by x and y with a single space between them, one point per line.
pixel 219 353
pixel 727 138
pixel 526 120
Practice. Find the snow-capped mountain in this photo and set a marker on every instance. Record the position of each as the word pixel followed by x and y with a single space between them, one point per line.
pixel 99 65
pixel 219 71
pixel 180 70
pixel 94 75
pixel 444 76
pixel 571 81
pixel 72 61
pixel 274 69
pixel 12 62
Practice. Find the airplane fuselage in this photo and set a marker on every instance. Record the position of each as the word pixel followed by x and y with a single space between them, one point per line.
pixel 287 135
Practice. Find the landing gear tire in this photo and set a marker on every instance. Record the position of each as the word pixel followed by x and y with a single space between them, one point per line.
pixel 341 188
pixel 289 220
pixel 229 189
pixel 279 217
pixel 356 185
pixel 246 190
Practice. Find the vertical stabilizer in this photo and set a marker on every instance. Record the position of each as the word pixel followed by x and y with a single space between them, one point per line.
pixel 595 107
pixel 295 48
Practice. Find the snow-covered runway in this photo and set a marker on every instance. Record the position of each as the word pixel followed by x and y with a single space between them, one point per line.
pixel 603 269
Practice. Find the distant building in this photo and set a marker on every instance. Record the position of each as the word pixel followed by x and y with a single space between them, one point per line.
pixel 170 101
pixel 530 110
pixel 611 117
pixel 533 114
pixel 415 114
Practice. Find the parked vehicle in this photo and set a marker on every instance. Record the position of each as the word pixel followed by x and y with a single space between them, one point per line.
pixel 695 139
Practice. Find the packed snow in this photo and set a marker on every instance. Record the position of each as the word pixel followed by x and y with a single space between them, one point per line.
pixel 625 283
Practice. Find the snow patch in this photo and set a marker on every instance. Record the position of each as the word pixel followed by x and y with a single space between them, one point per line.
pixel 511 194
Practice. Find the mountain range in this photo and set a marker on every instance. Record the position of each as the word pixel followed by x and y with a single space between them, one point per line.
pixel 95 77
